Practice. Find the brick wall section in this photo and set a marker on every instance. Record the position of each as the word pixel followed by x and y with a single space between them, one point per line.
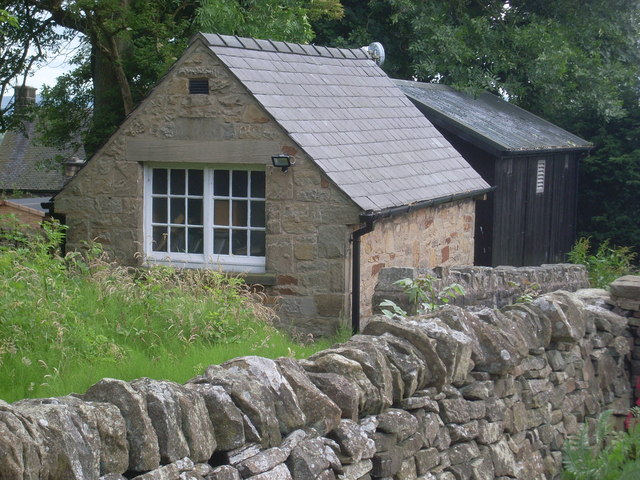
pixel 424 238
pixel 308 218
pixel 25 215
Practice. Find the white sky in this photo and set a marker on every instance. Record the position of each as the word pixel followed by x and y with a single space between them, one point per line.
pixel 56 65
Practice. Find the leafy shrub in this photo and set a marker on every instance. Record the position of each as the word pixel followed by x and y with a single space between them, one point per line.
pixel 606 264
pixel 423 293
pixel 604 455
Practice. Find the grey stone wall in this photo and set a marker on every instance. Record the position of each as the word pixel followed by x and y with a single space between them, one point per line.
pixel 490 394
pixel 624 300
pixel 483 286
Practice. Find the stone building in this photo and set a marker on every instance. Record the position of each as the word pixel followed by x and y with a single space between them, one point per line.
pixel 26 166
pixel 189 177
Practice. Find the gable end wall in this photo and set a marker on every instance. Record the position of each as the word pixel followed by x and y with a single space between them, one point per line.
pixel 309 219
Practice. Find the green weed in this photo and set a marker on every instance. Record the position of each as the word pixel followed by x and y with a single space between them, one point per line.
pixel 423 293
pixel 603 454
pixel 606 264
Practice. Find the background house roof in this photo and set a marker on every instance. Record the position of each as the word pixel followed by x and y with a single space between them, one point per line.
pixel 348 115
pixel 21 164
pixel 488 120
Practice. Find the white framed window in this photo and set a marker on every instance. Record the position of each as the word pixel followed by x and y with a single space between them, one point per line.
pixel 205 217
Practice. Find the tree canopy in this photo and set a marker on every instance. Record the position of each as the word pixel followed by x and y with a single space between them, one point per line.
pixel 573 62
pixel 557 59
pixel 129 45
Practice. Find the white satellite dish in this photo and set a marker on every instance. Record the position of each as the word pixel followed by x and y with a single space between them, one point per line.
pixel 376 51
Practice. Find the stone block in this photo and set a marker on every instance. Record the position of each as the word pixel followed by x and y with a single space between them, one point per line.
pixel 463 433
pixel 308 459
pixel 504 463
pixel 627 286
pixel 340 389
pixel 386 464
pixel 455 410
pixel 143 444
pixel 330 305
pixel 489 432
pixel 463 452
pixel 262 462
pixel 304 251
pixel 332 241
pixel 352 440
pixel 398 422
pixel 426 460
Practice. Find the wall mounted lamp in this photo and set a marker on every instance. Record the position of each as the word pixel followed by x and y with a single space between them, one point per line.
pixel 282 161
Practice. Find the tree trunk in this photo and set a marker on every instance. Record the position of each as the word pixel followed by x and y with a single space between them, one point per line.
pixel 108 106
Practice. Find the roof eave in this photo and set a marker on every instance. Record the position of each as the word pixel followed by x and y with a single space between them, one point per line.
pixel 373 215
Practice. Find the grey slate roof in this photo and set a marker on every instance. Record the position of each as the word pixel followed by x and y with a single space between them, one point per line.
pixel 351 119
pixel 20 164
pixel 488 120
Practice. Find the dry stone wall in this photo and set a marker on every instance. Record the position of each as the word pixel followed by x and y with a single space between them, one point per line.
pixel 489 394
pixel 483 286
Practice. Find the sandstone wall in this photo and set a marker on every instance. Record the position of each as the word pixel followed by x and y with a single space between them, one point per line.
pixel 424 238
pixel 454 395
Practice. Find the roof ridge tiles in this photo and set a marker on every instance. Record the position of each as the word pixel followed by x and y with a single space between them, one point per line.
pixel 268 45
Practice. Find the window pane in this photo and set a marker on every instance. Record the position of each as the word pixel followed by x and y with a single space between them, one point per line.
pixel 159 207
pixel 221 212
pixel 196 182
pixel 195 211
pixel 177 182
pixel 177 210
pixel 195 240
pixel 177 239
pixel 240 213
pixel 239 183
pixel 257 243
pixel 257 214
pixel 239 242
pixel 257 184
pixel 221 183
pixel 159 243
pixel 221 241
pixel 159 180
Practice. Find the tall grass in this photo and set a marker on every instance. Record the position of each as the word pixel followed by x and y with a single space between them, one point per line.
pixel 66 322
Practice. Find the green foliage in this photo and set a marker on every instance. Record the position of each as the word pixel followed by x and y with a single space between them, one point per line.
pixel 423 293
pixel 284 20
pixel 576 64
pixel 606 264
pixel 557 60
pixel 603 454
pixel 128 46
pixel 610 179
pixel 5 17
pixel 25 37
pixel 67 321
